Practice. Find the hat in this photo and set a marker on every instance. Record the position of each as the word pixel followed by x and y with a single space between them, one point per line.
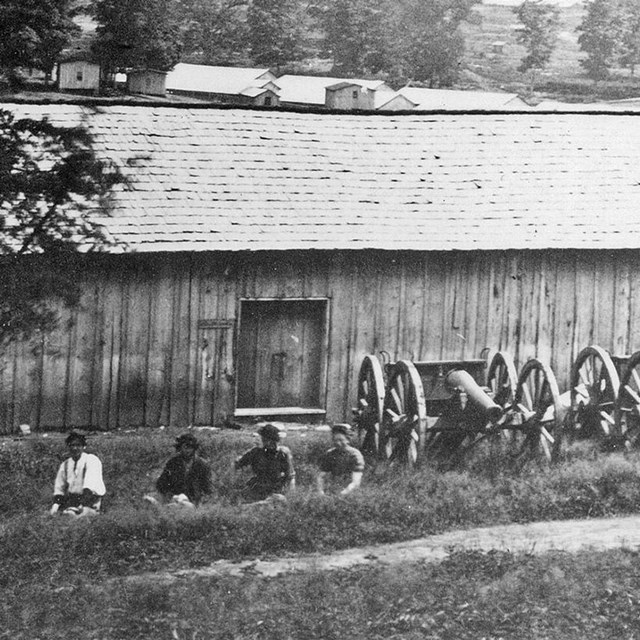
pixel 342 428
pixel 269 432
pixel 187 438
pixel 76 436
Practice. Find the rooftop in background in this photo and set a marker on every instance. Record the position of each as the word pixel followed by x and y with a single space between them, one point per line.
pixel 457 100
pixel 211 179
pixel 208 79
pixel 310 90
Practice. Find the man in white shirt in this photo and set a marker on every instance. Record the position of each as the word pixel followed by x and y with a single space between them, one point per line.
pixel 79 487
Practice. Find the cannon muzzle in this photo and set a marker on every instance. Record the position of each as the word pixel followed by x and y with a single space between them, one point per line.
pixel 462 381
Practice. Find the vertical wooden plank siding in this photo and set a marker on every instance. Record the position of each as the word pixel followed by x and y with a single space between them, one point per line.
pixel 128 355
pixel 565 316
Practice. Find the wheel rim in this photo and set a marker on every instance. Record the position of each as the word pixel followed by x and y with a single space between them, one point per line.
pixel 368 410
pixel 502 380
pixel 537 401
pixel 404 415
pixel 594 393
pixel 627 413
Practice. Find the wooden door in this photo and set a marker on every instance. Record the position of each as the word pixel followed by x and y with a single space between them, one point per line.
pixel 214 370
pixel 281 352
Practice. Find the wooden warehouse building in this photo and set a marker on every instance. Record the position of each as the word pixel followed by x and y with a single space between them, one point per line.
pixel 265 252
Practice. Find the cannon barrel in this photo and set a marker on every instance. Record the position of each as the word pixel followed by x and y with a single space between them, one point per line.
pixel 463 381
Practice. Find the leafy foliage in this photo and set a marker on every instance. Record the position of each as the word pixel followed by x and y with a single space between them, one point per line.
pixel 428 44
pixel 630 55
pixel 411 39
pixel 51 186
pixel 540 33
pixel 275 31
pixel 354 34
pixel 214 31
pixel 143 34
pixel 602 34
pixel 33 33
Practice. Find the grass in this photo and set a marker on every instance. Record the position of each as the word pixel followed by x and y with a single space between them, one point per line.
pixel 45 560
pixel 470 595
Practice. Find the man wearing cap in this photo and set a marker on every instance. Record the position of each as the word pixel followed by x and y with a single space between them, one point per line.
pixel 341 467
pixel 186 478
pixel 272 466
pixel 79 487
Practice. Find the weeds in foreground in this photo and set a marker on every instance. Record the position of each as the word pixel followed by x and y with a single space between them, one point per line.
pixel 392 506
pixel 468 596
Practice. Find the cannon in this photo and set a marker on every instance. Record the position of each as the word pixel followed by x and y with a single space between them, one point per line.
pixel 605 396
pixel 406 410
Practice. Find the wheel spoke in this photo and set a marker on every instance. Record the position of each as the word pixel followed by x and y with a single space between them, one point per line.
pixel 632 392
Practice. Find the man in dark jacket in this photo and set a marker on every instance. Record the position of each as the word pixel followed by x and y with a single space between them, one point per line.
pixel 186 478
pixel 272 466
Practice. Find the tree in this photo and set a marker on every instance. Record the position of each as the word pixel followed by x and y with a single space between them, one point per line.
pixel 416 39
pixel 630 54
pixel 541 22
pixel 143 34
pixel 354 35
pixel 275 31
pixel 214 31
pixel 602 35
pixel 428 43
pixel 52 185
pixel 33 33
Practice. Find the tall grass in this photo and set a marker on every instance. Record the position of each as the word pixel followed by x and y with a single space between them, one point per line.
pixel 392 505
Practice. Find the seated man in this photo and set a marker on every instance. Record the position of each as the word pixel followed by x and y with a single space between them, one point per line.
pixel 272 466
pixel 341 467
pixel 79 486
pixel 186 478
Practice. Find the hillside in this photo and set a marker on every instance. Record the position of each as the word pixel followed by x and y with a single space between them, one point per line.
pixel 564 79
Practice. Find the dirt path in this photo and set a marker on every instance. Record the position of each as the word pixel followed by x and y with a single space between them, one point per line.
pixel 538 537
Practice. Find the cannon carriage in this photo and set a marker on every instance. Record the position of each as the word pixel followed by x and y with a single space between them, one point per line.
pixel 605 396
pixel 409 410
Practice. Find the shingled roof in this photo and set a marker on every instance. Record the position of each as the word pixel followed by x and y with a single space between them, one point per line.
pixel 237 179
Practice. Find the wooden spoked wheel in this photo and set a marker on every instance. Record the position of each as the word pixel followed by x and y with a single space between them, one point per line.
pixel 404 415
pixel 368 412
pixel 627 414
pixel 594 392
pixel 537 404
pixel 502 380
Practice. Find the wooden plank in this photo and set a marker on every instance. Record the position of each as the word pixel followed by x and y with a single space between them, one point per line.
pixel 481 343
pixel 433 319
pixel 604 299
pixel 107 357
pixel 528 319
pixel 512 304
pixel 80 360
pixel 634 302
pixel 455 296
pixel 412 297
pixel 182 350
pixel 159 354
pixel 54 374
pixel 495 309
pixel 132 381
pixel 564 318
pixel 621 305
pixel 340 370
pixel 472 312
pixel 7 389
pixel 27 378
pixel 584 302
pixel 546 307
